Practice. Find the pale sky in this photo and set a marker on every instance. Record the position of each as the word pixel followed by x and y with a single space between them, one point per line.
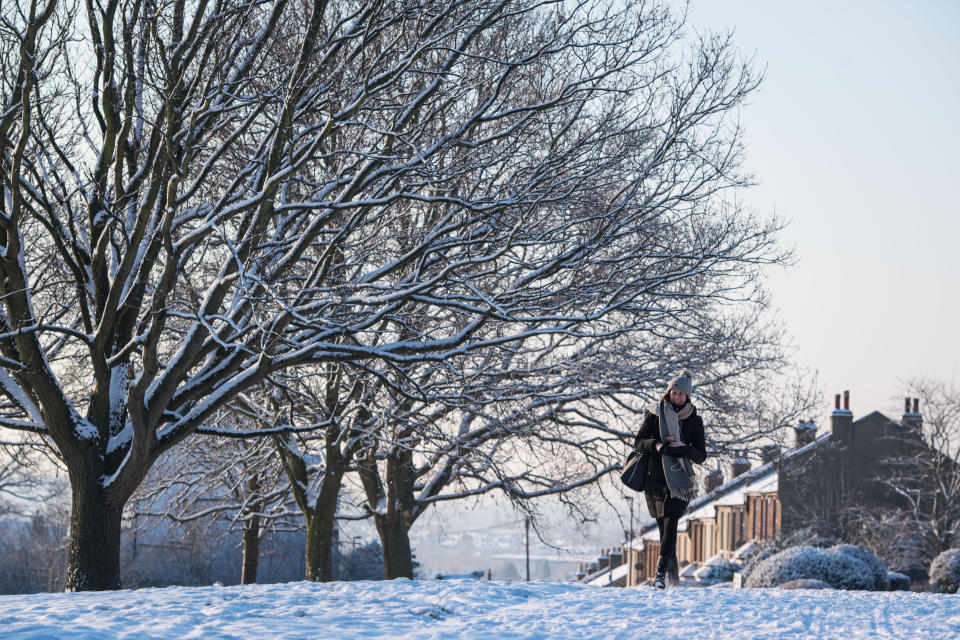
pixel 854 137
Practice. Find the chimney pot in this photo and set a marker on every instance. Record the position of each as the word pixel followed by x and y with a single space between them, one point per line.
pixel 841 421
pixel 805 433
pixel 713 480
pixel 739 465
pixel 616 558
pixel 836 400
pixel 769 453
pixel 912 418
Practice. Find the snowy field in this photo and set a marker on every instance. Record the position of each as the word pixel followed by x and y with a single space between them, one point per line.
pixel 475 609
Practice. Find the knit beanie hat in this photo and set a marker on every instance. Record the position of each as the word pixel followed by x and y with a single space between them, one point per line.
pixel 683 383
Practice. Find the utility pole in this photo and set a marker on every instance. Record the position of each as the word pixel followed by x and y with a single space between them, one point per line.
pixel 527 536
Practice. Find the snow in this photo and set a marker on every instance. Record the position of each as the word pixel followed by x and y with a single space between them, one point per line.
pixel 83 428
pixel 107 480
pixel 478 609
pixel 18 395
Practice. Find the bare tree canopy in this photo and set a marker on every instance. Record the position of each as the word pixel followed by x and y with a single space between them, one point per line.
pixel 197 195
pixel 235 482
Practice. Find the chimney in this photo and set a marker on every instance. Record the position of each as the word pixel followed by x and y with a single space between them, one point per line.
pixel 841 420
pixel 740 465
pixel 769 453
pixel 616 558
pixel 581 571
pixel 713 480
pixel 911 415
pixel 603 561
pixel 805 432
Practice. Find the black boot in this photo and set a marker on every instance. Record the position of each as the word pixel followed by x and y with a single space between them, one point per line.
pixel 660 580
pixel 673 572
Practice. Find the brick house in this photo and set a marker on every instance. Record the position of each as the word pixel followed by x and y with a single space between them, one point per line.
pixel 820 475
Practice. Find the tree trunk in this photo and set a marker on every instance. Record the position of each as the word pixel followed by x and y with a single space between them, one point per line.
pixel 395 540
pixel 393 526
pixel 94 563
pixel 251 550
pixel 319 552
pixel 320 514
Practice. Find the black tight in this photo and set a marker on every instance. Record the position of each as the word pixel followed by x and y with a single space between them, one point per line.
pixel 668 535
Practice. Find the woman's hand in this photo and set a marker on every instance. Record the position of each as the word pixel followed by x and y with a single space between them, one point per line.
pixel 678 450
pixel 660 445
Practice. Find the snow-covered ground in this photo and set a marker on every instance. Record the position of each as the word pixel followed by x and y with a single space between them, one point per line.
pixel 478 609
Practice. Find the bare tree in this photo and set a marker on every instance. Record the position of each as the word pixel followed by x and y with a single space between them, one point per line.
pixel 547 417
pixel 316 462
pixel 198 195
pixel 925 474
pixel 34 554
pixel 25 477
pixel 222 484
pixel 517 427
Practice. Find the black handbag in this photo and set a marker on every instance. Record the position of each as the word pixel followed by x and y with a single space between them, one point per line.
pixel 635 470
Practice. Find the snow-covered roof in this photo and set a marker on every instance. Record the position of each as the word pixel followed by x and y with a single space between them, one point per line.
pixel 594 578
pixel 764 484
pixel 619 572
pixel 704 568
pixel 700 512
pixel 607 576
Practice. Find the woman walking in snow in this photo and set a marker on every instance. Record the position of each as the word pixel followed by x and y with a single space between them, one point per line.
pixel 672 434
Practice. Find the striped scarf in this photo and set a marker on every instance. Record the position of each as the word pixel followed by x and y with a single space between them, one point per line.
pixel 677 471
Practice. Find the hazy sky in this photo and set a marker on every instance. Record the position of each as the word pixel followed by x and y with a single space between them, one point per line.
pixel 854 137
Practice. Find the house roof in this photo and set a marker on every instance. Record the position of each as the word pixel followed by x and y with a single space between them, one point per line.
pixel 607 576
pixel 871 414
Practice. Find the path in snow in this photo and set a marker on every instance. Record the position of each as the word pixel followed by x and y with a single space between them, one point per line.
pixel 475 609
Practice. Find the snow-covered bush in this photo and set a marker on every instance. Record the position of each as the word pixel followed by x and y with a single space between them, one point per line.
pixel 876 567
pixel 834 567
pixel 898 581
pixel 806 537
pixel 945 571
pixel 760 552
pixel 720 572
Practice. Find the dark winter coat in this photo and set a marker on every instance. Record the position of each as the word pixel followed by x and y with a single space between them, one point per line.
pixel 691 433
